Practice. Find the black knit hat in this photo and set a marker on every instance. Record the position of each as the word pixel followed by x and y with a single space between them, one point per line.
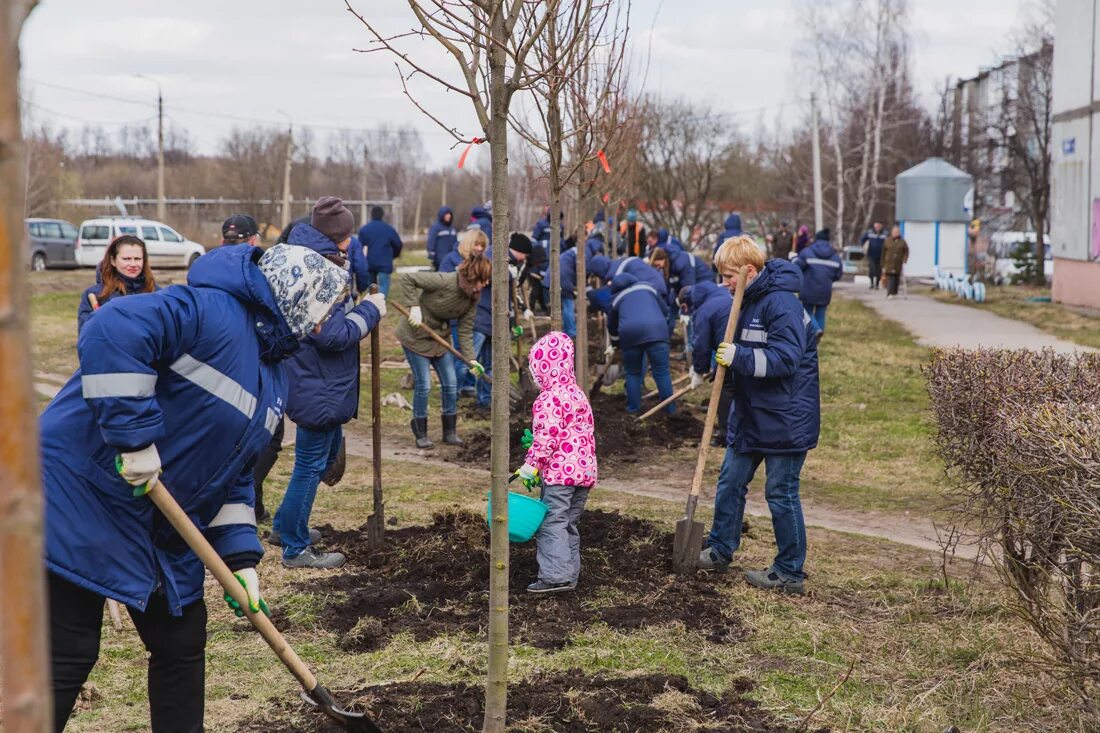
pixel 520 242
pixel 823 235
pixel 331 218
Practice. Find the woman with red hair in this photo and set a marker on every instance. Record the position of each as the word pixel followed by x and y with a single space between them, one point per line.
pixel 124 270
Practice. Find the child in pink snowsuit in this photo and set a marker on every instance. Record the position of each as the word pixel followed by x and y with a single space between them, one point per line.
pixel 564 454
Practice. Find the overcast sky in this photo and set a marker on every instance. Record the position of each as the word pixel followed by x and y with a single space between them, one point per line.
pixel 232 62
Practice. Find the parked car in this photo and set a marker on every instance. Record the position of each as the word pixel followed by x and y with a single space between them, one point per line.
pixel 1002 254
pixel 51 243
pixel 166 247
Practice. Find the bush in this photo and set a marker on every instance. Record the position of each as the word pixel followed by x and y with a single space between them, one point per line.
pixel 1019 433
pixel 1029 268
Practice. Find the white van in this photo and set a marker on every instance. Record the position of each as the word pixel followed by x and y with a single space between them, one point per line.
pixel 165 246
pixel 1002 253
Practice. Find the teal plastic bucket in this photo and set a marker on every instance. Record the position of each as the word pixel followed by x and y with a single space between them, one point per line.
pixel 525 515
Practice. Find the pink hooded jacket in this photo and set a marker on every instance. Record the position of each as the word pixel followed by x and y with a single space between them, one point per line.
pixel 564 449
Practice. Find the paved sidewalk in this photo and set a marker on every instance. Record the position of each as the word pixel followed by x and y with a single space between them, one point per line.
pixel 935 323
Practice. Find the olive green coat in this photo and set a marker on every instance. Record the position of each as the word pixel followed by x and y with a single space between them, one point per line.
pixel 441 300
pixel 894 255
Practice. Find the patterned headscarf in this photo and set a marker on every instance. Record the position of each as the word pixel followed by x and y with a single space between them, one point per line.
pixel 306 285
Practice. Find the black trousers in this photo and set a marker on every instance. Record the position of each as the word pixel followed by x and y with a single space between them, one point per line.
pixel 892 284
pixel 263 465
pixel 176 646
pixel 874 270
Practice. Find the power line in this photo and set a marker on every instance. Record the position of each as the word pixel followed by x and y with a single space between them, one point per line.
pixel 65 115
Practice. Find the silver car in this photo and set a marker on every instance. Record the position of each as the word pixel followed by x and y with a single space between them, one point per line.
pixel 51 243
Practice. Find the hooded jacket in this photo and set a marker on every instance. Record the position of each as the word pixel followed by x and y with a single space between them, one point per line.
pixel 639 312
pixel 195 369
pixel 564 445
pixel 710 311
pixel 442 237
pixel 594 244
pixel 776 406
pixel 324 373
pixel 606 269
pixel 821 267
pixel 567 261
pixel 382 242
pixel 733 229
pixel 134 286
pixel 480 215
pixel 681 265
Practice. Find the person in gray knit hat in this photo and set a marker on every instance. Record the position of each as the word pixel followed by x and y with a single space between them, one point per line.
pixel 332 218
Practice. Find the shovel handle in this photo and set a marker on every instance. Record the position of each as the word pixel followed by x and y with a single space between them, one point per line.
pixel 663 403
pixel 212 560
pixel 678 380
pixel 376 409
pixel 439 339
pixel 716 391
pixel 93 301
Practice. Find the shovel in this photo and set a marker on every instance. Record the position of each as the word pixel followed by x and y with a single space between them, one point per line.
pixel 513 393
pixel 664 403
pixel 526 381
pixel 688 542
pixel 678 380
pixel 376 522
pixel 313 692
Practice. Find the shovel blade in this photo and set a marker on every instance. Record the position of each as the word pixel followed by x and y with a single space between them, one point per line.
pixel 686 546
pixel 320 698
pixel 376 531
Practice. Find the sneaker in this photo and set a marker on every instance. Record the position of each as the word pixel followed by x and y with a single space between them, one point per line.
pixel 540 586
pixel 274 538
pixel 310 558
pixel 709 560
pixel 769 580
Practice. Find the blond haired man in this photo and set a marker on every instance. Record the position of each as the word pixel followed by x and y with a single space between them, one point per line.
pixel 775 416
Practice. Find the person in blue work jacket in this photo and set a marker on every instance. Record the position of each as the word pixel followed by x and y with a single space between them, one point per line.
pixel 324 389
pixel 483 217
pixel 732 230
pixel 873 243
pixel 775 417
pixel 442 237
pixel 185 385
pixel 383 245
pixel 638 325
pixel 709 305
pixel 567 261
pixel 821 267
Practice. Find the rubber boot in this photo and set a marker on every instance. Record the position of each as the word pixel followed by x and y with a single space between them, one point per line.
pixel 450 435
pixel 419 427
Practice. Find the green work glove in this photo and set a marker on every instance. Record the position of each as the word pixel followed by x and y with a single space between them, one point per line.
pixel 528 476
pixel 528 439
pixel 139 468
pixel 477 369
pixel 517 331
pixel 248 578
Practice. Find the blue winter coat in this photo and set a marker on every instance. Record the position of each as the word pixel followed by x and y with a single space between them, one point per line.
pixel 481 217
pixel 733 229
pixel 681 273
pixel 360 269
pixel 599 299
pixel 567 261
pixel 451 262
pixel 606 269
pixel 196 370
pixel 594 245
pixel 134 286
pixel 710 311
pixel 382 242
pixel 776 406
pixel 442 237
pixel 821 267
pixel 639 312
pixel 875 243
pixel 324 373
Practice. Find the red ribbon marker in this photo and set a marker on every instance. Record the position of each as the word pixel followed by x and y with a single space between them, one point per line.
pixel 603 161
pixel 475 141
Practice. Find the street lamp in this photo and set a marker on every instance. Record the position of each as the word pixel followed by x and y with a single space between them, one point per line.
pixel 286 168
pixel 161 203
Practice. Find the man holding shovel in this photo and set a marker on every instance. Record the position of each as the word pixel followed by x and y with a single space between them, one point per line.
pixel 775 417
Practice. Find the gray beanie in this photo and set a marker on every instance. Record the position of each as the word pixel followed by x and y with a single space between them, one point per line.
pixel 331 218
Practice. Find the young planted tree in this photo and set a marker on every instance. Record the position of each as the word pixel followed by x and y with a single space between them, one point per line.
pixel 23 611
pixel 491 42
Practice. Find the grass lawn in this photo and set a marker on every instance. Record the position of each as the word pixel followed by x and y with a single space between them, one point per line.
pixel 1078 325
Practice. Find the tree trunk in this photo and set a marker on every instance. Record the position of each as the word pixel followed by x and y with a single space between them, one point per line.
pixel 1040 248
pixel 555 250
pixel 582 316
pixel 23 609
pixel 496 688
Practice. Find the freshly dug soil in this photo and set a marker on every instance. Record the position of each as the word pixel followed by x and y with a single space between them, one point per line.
pixel 434 580
pixel 620 438
pixel 569 703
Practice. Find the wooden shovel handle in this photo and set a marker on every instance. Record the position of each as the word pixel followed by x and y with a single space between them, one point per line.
pixel 212 560
pixel 439 339
pixel 663 403
pixel 93 301
pixel 376 408
pixel 716 388
pixel 679 380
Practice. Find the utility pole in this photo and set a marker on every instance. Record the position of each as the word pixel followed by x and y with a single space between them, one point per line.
pixel 819 216
pixel 286 168
pixel 161 202
pixel 443 193
pixel 363 190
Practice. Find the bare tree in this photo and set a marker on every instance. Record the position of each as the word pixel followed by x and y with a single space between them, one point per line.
pixel 490 42
pixel 253 169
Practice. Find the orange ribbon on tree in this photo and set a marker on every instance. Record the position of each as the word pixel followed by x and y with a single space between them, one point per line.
pixel 475 141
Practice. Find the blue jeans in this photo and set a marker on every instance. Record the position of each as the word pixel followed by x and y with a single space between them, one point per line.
pixel 781 492
pixel 463 376
pixel 817 315
pixel 422 382
pixel 634 365
pixel 569 316
pixel 313 451
pixel 483 347
pixel 383 280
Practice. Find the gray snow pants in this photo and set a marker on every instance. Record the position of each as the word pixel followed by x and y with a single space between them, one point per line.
pixel 558 543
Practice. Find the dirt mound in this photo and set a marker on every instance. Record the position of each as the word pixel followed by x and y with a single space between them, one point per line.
pixel 620 438
pixel 434 580
pixel 568 702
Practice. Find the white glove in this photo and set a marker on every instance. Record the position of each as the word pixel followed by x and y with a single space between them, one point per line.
pixel 725 354
pixel 513 271
pixel 685 319
pixel 609 351
pixel 527 472
pixel 416 317
pixel 251 583
pixel 696 379
pixel 378 300
pixel 139 467
pixel 529 314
